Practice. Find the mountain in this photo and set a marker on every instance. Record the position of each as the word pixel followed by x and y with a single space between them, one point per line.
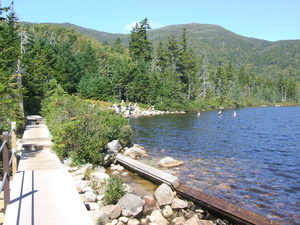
pixel 218 44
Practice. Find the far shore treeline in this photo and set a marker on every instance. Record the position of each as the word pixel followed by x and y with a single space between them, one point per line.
pixel 37 61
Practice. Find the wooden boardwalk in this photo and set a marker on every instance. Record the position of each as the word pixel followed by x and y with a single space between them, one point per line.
pixel 42 191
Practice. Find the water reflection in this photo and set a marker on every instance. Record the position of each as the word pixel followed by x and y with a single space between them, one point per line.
pixel 252 159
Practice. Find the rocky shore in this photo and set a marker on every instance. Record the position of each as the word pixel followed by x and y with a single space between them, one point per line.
pixel 135 111
pixel 163 207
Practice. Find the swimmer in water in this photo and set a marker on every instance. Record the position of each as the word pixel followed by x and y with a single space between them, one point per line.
pixel 220 113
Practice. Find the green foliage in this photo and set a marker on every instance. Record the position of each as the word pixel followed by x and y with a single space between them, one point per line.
pixel 10 88
pixel 172 68
pixel 80 129
pixel 140 48
pixel 113 190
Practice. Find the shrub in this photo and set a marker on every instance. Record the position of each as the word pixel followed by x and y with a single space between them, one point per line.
pixel 113 190
pixel 81 129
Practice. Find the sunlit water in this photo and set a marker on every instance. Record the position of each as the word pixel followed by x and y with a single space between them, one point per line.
pixel 252 160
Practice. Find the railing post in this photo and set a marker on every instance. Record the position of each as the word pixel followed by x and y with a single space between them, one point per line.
pixel 5 162
pixel 14 148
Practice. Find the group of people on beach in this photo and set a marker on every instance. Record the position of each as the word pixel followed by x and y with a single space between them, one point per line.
pixel 128 109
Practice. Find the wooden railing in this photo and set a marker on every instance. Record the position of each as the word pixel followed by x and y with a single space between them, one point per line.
pixel 9 160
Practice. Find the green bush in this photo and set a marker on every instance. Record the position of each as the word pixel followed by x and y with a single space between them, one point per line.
pixel 81 129
pixel 113 190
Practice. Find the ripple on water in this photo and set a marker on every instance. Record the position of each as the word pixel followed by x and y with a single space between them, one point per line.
pixel 259 149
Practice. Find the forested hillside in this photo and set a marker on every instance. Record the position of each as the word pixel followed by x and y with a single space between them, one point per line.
pixel 218 44
pixel 172 68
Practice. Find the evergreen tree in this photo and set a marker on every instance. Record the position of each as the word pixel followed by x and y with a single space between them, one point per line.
pixel 90 60
pixel 10 91
pixel 140 48
pixel 161 58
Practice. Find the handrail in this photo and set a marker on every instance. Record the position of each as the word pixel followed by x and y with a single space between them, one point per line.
pixel 8 162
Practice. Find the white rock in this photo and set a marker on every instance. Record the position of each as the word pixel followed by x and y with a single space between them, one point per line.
pixel 116 167
pixel 94 206
pixel 133 222
pixel 100 169
pixel 99 176
pixel 90 196
pixel 80 171
pixel 131 205
pixel 81 184
pixel 169 162
pixel 164 195
pixel 167 211
pixel 88 166
pixel 123 219
pixel 114 222
pixel 98 215
pixel 143 221
pixel 179 204
pixel 86 189
pixel 100 197
pixel 78 177
pixel 113 211
pixel 157 217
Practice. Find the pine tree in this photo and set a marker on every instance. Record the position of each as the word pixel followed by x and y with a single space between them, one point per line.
pixel 140 48
pixel 10 91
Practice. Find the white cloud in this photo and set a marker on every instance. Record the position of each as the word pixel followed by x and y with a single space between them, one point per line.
pixel 155 25
pixel 128 27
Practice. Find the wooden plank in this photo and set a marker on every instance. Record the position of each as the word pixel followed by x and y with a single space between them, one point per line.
pixel 216 206
pixel 221 208
pixel 155 175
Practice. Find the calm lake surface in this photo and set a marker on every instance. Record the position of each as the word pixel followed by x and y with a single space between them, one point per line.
pixel 251 160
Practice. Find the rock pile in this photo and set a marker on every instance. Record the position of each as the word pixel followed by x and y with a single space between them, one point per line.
pixel 162 208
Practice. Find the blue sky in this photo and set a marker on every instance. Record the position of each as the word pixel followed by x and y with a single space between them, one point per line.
pixel 270 20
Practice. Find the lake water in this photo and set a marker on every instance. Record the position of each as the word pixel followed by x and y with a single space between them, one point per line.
pixel 251 160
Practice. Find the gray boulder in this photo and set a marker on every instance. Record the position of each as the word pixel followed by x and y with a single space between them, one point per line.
pixel 164 195
pixel 157 217
pixel 179 221
pixel 116 167
pixel 80 171
pixel 135 152
pixel 108 160
pixel 100 169
pixel 81 184
pixel 112 211
pixel 99 176
pixel 150 204
pixel 99 216
pixel 167 211
pixel 90 196
pixel 113 147
pixel 179 204
pixel 133 221
pixel 169 162
pixel 196 221
pixel 131 205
